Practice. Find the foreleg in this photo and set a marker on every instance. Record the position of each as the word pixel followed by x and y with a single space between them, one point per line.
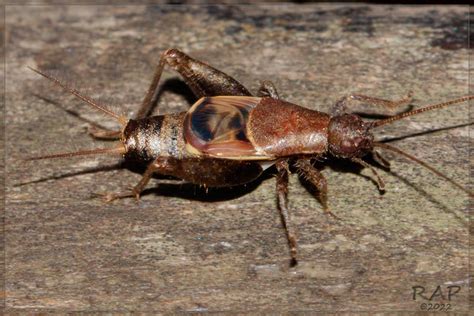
pixel 380 182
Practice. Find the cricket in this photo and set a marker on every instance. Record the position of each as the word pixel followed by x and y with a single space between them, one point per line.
pixel 229 137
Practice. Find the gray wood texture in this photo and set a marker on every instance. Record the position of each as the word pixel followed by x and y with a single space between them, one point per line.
pixel 182 249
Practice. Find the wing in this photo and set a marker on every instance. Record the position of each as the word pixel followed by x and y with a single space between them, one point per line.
pixel 217 127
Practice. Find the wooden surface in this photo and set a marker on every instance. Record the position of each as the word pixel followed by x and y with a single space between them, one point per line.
pixel 182 249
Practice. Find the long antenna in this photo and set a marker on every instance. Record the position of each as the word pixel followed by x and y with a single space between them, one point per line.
pixel 98 151
pixel 418 111
pixel 121 119
pixel 424 164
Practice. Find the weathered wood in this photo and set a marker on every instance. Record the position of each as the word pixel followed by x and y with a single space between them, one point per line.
pixel 183 249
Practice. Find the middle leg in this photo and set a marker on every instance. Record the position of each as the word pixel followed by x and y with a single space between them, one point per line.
pixel 317 179
pixel 282 191
pixel 267 89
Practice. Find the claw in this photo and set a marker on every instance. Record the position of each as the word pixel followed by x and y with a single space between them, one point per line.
pixel 106 197
pixel 328 212
pixel 110 197
pixel 137 195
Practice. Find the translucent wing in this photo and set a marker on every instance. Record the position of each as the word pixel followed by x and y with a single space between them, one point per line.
pixel 217 127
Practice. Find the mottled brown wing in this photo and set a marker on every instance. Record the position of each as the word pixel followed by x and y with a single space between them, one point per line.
pixel 217 127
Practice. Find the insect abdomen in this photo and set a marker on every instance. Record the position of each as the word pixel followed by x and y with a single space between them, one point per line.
pixel 156 136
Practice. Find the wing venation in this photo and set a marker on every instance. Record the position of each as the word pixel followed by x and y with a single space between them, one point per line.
pixel 217 127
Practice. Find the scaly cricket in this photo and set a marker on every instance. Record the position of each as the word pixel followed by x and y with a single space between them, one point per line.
pixel 229 137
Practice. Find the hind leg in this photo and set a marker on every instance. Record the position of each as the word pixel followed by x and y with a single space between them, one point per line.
pixel 160 165
pixel 203 79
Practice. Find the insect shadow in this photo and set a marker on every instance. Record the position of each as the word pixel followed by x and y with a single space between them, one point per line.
pixel 175 86
pixel 173 187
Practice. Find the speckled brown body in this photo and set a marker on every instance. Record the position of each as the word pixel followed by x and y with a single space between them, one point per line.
pixel 280 129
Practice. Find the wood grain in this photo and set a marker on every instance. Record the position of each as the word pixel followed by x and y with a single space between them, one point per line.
pixel 182 249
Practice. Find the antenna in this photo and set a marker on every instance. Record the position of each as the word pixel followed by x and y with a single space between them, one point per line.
pixel 98 151
pixel 418 111
pixel 121 119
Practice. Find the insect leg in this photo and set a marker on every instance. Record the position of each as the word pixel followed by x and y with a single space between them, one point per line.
pixel 341 106
pixel 158 165
pixel 267 89
pixel 104 134
pixel 380 182
pixel 282 190
pixel 203 79
pixel 317 179
pixel 380 159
